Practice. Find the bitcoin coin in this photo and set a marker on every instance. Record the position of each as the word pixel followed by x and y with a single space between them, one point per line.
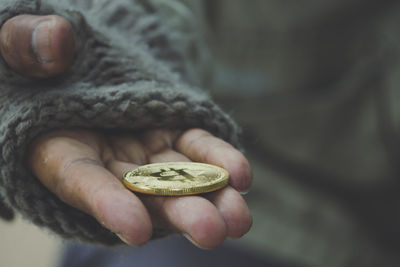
pixel 176 178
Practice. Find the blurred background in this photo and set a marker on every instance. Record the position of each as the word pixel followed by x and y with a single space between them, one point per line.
pixel 23 244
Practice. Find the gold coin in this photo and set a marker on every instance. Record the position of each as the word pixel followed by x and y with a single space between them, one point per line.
pixel 176 178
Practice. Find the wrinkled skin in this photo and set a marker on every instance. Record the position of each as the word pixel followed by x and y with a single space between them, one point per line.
pixel 84 167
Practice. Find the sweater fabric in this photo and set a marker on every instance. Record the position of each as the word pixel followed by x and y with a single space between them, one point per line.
pixel 128 75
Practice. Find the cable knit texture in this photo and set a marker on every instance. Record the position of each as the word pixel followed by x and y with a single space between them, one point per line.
pixel 127 74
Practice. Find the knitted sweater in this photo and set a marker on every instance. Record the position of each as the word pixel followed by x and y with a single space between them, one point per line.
pixel 128 74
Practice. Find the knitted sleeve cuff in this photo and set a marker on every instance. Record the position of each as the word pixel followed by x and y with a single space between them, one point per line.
pixel 116 82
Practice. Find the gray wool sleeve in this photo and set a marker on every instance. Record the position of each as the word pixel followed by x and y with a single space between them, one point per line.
pixel 127 75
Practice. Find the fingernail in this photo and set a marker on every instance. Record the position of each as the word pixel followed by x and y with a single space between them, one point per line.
pixel 125 240
pixel 41 41
pixel 244 193
pixel 188 237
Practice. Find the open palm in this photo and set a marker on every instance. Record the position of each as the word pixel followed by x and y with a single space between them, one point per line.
pixel 84 169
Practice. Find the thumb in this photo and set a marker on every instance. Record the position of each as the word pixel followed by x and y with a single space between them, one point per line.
pixel 37 46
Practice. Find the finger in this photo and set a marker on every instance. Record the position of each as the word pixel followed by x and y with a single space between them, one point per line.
pixel 37 46
pixel 233 209
pixel 74 173
pixel 159 139
pixel 119 167
pixel 201 146
pixel 155 146
pixel 168 155
pixel 194 216
pixel 128 149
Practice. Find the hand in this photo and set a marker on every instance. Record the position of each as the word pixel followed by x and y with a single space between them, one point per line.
pixel 84 169
pixel 37 46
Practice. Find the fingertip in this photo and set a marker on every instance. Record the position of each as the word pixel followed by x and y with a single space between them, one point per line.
pixel 238 220
pixel 201 146
pixel 194 216
pixel 57 44
pixel 241 174
pixel 194 242
pixel 122 212
pixel 207 232
pixel 37 46
pixel 234 210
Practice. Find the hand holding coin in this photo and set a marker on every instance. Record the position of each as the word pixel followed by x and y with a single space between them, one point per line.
pixel 85 169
